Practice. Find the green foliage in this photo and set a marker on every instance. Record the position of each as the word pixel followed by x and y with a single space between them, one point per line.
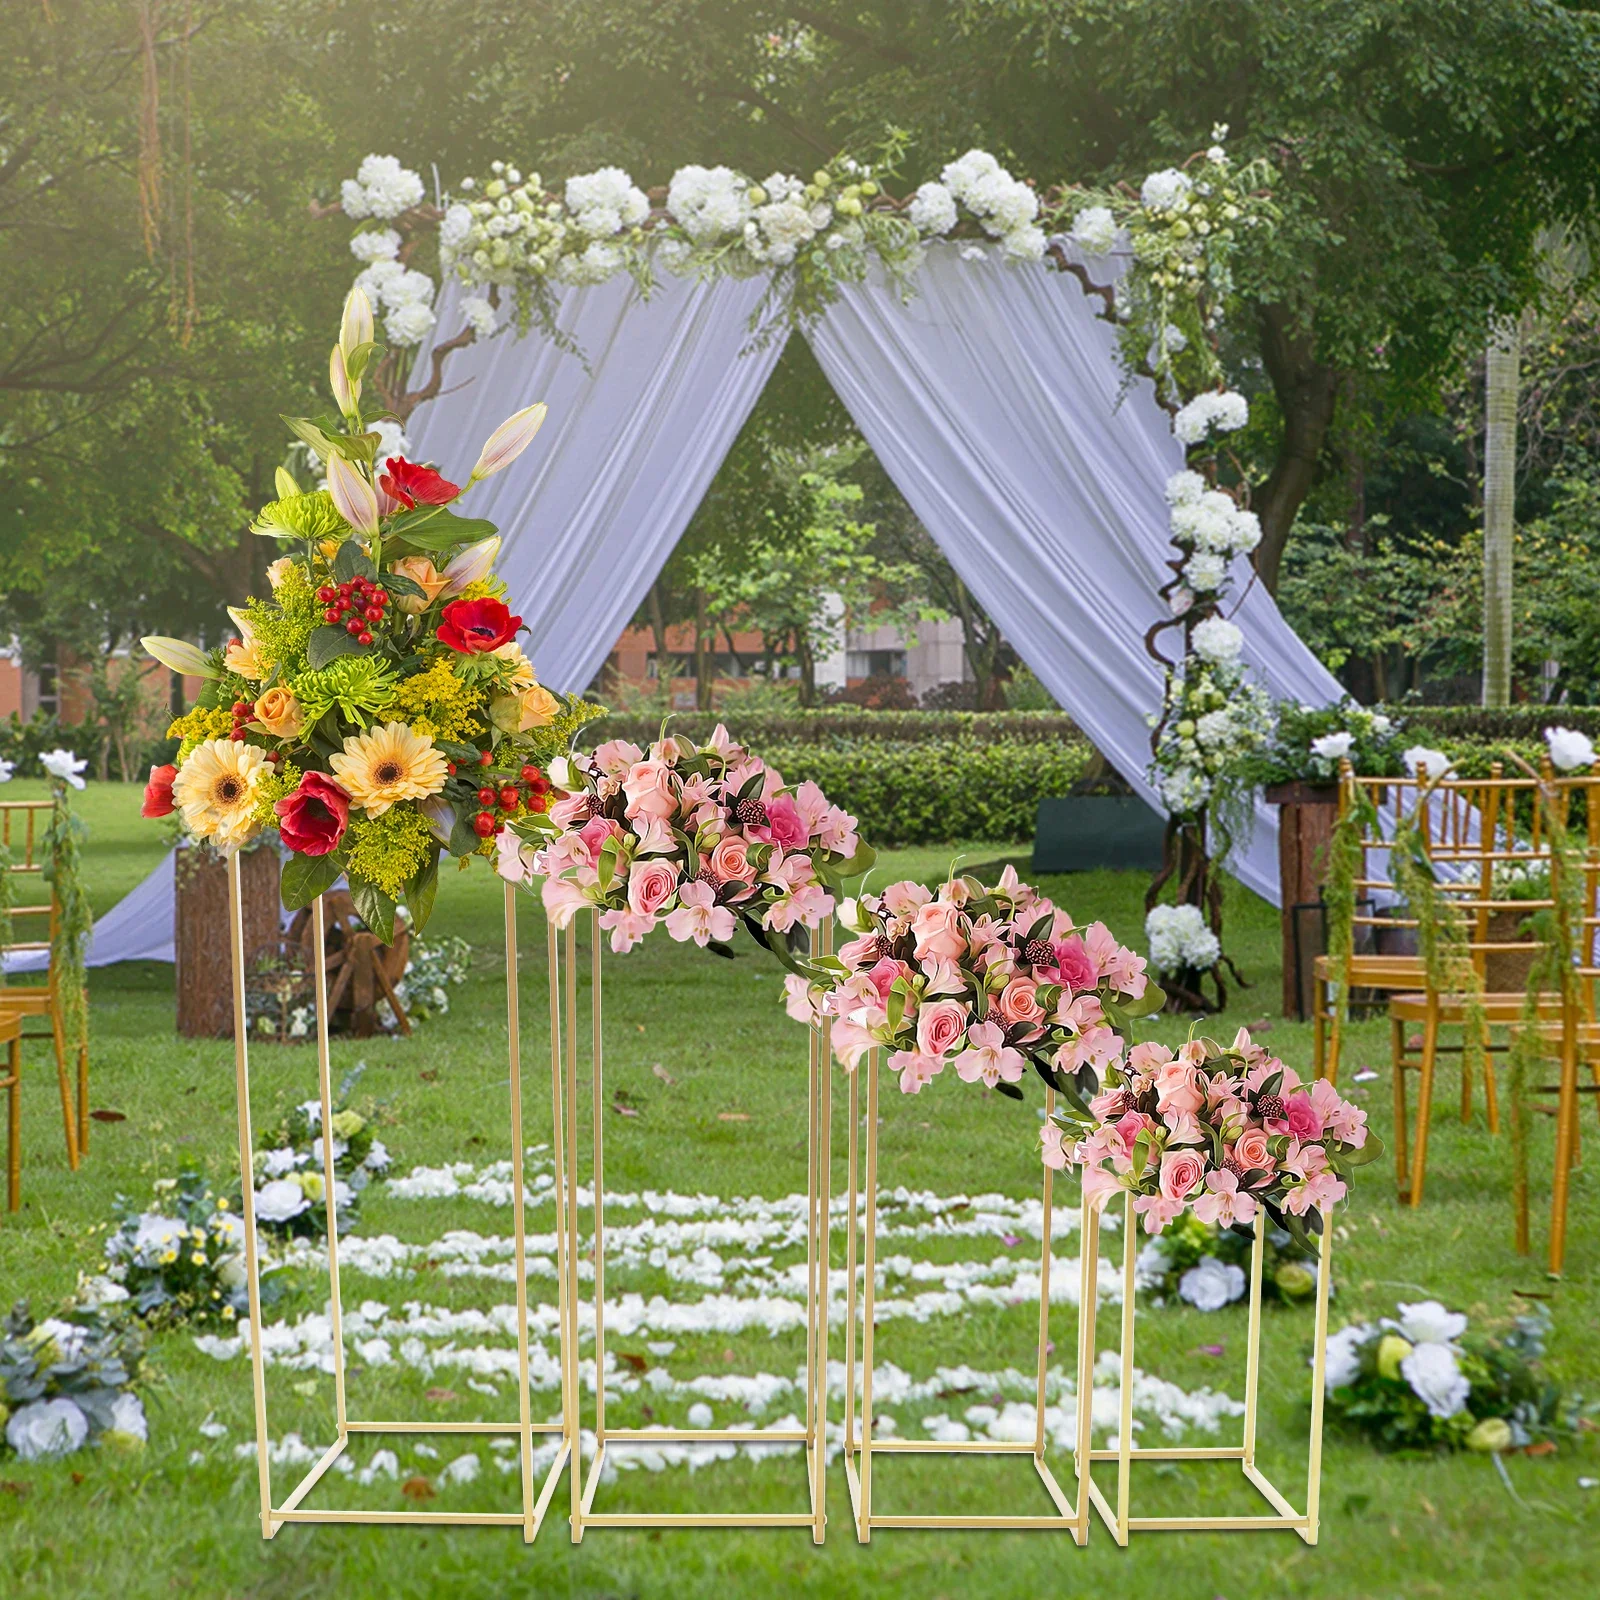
pixel 844 727
pixel 74 922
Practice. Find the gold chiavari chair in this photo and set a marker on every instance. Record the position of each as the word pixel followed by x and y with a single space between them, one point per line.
pixel 1376 803
pixel 23 838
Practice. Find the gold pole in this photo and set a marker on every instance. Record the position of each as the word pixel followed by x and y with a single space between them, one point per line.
pixel 1319 1377
pixel 1088 1306
pixel 1125 1429
pixel 1252 1370
pixel 319 950
pixel 519 1221
pixel 558 1149
pixel 824 1213
pixel 1044 1292
pixel 868 1291
pixel 850 1270
pixel 247 1187
pixel 572 1230
pixel 597 1076
pixel 812 1142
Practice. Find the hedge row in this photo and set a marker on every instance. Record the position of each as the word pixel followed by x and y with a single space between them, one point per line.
pixel 1436 725
pixel 847 727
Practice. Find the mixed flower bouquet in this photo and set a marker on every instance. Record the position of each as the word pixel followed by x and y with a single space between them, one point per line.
pixel 67 1382
pixel 1307 743
pixel 376 707
pixel 1219 1131
pixel 1421 1380
pixel 1206 1264
pixel 290 1187
pixel 989 980
pixel 699 837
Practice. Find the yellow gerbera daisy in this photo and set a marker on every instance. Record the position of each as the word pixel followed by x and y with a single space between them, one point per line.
pixel 216 791
pixel 387 764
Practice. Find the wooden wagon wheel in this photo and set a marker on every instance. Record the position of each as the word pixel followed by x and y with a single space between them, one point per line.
pixel 359 966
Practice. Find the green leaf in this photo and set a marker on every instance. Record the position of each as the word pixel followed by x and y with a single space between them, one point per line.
pixel 432 529
pixel 1370 1151
pixel 1150 1002
pixel 305 877
pixel 1009 1090
pixel 327 642
pixel 860 862
pixel 398 584
pixel 352 561
pixel 359 359
pixel 422 889
pixel 309 433
pixel 463 837
pixel 374 907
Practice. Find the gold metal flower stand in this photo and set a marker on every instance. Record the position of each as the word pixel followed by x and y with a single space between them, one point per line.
pixel 583 1515
pixel 293 1507
pixel 1283 1514
pixel 860 1447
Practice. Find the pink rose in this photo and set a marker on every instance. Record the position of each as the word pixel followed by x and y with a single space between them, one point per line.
pixel 1251 1152
pixel 939 929
pixel 1301 1116
pixel 650 885
pixel 1128 1127
pixel 940 1025
pixel 1179 1088
pixel 1075 965
pixel 1181 1172
pixel 730 860
pixel 650 789
pixel 856 952
pixel 1019 1002
pixel 785 825
pixel 596 831
pixel 883 974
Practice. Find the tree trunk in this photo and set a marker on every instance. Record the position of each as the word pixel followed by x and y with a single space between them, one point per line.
pixel 702 654
pixel 807 659
pixel 658 626
pixel 1502 379
pixel 1307 394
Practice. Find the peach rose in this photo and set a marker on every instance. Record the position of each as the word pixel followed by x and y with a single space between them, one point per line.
pixel 1178 1088
pixel 280 569
pixel 940 1025
pixel 648 786
pixel 1251 1151
pixel 730 860
pixel 1181 1173
pixel 650 885
pixel 422 572
pixel 1018 1002
pixel 939 930
pixel 539 708
pixel 279 713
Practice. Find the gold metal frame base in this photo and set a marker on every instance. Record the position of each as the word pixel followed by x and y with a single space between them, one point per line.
pixel 1287 1516
pixel 291 1511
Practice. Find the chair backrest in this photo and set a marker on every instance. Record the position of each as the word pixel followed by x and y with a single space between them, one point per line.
pixel 1574 790
pixel 1377 804
pixel 22 829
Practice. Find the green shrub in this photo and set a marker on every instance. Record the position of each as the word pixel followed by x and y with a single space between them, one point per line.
pixel 846 727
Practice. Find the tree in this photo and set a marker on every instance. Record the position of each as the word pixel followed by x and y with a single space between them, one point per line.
pixel 1501 384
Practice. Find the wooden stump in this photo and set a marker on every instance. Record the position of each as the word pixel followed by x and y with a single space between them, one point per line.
pixel 1306 817
pixel 201 936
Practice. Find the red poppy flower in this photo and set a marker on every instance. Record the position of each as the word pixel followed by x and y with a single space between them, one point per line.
pixel 408 483
pixel 158 793
pixel 312 820
pixel 475 626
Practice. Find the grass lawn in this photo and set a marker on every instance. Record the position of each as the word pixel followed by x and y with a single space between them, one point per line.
pixel 724 1116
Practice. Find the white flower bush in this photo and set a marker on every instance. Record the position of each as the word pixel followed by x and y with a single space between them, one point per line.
pixel 933 209
pixel 603 203
pixel 1209 1284
pixel 1179 940
pixel 1569 749
pixel 1333 747
pixel 1094 231
pixel 1167 190
pixel 1427 764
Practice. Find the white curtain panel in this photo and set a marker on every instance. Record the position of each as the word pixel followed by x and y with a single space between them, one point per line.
pixel 992 400
pixel 139 927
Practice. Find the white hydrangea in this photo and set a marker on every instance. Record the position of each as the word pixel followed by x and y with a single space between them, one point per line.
pixel 605 202
pixel 1217 640
pixel 1167 190
pixel 392 441
pixel 1205 572
pixel 1024 244
pixel 1215 730
pixel 1004 206
pixel 1211 412
pixel 377 244
pixel 1183 790
pixel 1094 231
pixel 1210 1284
pixel 381 188
pixel 933 209
pixel 708 203
pixel 1569 749
pixel 597 262
pixel 479 314
pixel 1179 939
pixel 453 232
pixel 1185 488
pixel 780 186
pixel 778 230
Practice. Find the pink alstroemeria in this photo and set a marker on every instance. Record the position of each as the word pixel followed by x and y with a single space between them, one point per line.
pixel 1157 1211
pixel 1098 1184
pixel 850 1043
pixel 1053 1153
pixel 915 1069
pixel 699 918
pixel 800 999
pixel 627 928
pixel 563 900
pixel 988 1057
pixel 1224 1202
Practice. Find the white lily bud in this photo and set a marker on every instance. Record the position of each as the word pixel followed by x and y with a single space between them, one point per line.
pixel 850 915
pixel 355 326
pixel 179 656
pixel 353 497
pixel 345 393
pixel 560 773
pixel 508 441
pixel 473 563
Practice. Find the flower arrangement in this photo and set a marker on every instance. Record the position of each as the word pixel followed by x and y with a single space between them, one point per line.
pixel 1219 1131
pixel 288 1168
pixel 989 980
pixel 696 837
pixel 1307 743
pixel 1423 1380
pixel 376 707
pixel 1182 945
pixel 1206 1265
pixel 67 1382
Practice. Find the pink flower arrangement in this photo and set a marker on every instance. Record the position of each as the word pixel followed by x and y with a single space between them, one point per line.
pixel 693 837
pixel 989 980
pixel 1222 1131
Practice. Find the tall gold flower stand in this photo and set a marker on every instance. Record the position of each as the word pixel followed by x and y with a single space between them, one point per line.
pixel 583 1515
pixel 860 1447
pixel 293 1507
pixel 1283 1514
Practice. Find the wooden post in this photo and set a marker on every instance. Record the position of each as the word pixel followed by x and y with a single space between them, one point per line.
pixel 204 976
pixel 1307 813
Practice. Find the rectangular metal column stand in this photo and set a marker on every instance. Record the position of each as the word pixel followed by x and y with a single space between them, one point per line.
pixel 859 1446
pixel 1285 1516
pixel 812 1436
pixel 292 1509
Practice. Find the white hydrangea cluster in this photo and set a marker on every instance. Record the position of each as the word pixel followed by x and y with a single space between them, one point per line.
pixel 1215 411
pixel 709 203
pixel 1006 208
pixel 381 188
pixel 1217 640
pixel 603 203
pixel 404 295
pixel 933 209
pixel 1094 231
pixel 1212 530
pixel 1179 940
pixel 1167 190
pixel 1214 718
pixel 376 244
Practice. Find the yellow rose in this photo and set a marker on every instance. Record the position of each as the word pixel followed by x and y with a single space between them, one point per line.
pixel 279 713
pixel 421 571
pixel 539 708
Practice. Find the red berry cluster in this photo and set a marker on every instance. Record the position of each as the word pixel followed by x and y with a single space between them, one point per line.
pixel 504 793
pixel 355 605
pixel 244 713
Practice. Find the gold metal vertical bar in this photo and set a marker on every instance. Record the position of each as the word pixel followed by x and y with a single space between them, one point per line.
pixel 1252 1358
pixel 319 951
pixel 597 1075
pixel 559 1152
pixel 850 1267
pixel 1088 1305
pixel 247 1187
pixel 825 1229
pixel 1319 1377
pixel 1130 1252
pixel 519 1216
pixel 572 1229
pixel 1044 1291
pixel 812 1142
pixel 868 1291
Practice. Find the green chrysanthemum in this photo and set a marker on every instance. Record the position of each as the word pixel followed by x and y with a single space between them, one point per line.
pixel 357 687
pixel 301 516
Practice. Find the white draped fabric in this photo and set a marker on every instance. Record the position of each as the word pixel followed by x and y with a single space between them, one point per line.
pixel 993 398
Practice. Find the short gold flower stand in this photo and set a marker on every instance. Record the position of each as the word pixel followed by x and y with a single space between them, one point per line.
pixel 293 1508
pixel 860 1447
pixel 1283 1514
pixel 583 1515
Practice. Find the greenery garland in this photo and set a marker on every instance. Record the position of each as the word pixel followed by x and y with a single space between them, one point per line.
pixel 1357 816
pixel 74 921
